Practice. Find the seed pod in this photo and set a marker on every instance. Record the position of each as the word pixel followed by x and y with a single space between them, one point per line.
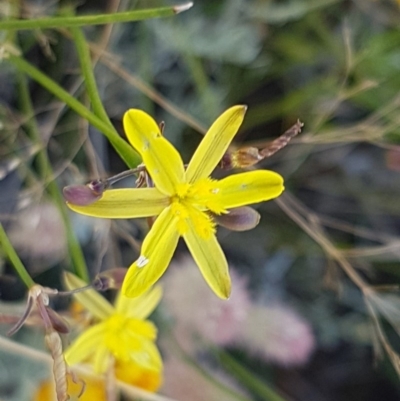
pixel 53 342
pixel 58 323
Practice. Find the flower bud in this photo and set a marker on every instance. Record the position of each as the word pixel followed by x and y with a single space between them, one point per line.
pixel 239 219
pixel 108 279
pixel 226 162
pixel 82 195
pixel 246 157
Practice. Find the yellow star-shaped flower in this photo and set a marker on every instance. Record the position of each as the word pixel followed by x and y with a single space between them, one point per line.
pixel 183 200
pixel 120 338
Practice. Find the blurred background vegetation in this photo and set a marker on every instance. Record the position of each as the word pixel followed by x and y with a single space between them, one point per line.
pixel 334 64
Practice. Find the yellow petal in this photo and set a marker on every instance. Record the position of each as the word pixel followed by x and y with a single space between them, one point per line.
pixel 125 204
pixel 251 187
pixel 95 303
pixel 140 329
pixel 157 250
pixel 140 307
pixel 102 359
pixel 148 356
pixel 135 375
pixel 162 160
pixel 215 143
pixel 85 345
pixel 95 388
pixel 211 260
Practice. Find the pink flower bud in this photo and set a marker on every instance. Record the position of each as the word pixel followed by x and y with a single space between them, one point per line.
pixel 239 219
pixel 82 195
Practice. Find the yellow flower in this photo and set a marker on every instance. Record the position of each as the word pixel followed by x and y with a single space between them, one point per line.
pixel 94 389
pixel 121 337
pixel 182 199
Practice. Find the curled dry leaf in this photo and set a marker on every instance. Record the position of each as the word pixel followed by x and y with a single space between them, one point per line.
pixel 53 343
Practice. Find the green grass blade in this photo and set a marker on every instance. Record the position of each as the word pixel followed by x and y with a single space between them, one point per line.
pixel 100 19
pixel 248 378
pixel 88 75
pixel 127 153
pixel 14 258
pixel 46 173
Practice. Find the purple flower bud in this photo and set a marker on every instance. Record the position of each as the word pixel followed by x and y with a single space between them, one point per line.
pixel 81 195
pixel 226 162
pixel 108 279
pixel 239 219
pixel 97 186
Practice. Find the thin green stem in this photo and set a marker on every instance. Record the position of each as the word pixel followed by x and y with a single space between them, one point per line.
pixel 45 171
pixel 14 259
pixel 248 378
pixel 127 153
pixel 88 75
pixel 100 19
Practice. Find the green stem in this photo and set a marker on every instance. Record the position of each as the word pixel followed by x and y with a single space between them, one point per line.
pixel 88 75
pixel 100 19
pixel 45 171
pixel 128 155
pixel 248 378
pixel 14 259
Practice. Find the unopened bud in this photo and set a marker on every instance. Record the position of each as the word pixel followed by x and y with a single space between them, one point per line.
pixel 226 162
pixel 97 186
pixel 110 279
pixel 239 219
pixel 82 195
pixel 246 157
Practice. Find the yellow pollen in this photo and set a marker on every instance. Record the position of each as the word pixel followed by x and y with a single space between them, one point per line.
pixel 182 190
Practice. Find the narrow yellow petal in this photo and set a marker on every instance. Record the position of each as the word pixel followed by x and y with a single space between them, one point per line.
pixel 157 250
pixel 215 143
pixel 95 303
pixel 125 204
pixel 140 307
pixel 85 345
pixel 148 356
pixel 250 187
pixel 102 359
pixel 211 261
pixel 162 160
pixel 141 329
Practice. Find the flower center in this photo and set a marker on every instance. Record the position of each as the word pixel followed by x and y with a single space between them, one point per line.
pixel 192 203
pixel 115 336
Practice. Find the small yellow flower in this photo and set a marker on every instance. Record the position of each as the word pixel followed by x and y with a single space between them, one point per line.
pixel 121 337
pixel 94 389
pixel 182 199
